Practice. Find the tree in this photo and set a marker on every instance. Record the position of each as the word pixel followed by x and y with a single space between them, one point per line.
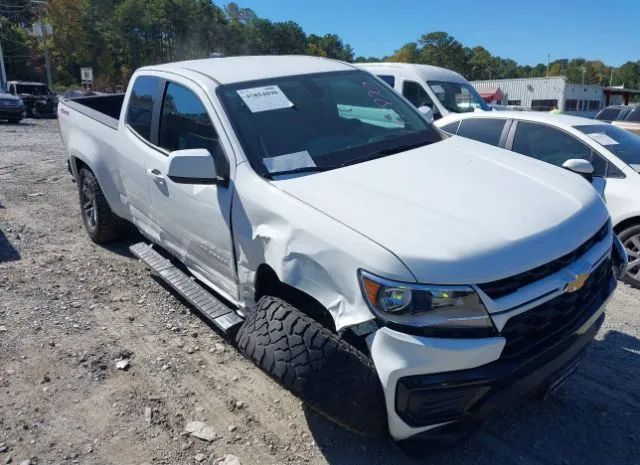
pixel 408 53
pixel 235 14
pixel 330 46
pixel 481 64
pixel 442 49
pixel 627 75
pixel 69 49
pixel 269 38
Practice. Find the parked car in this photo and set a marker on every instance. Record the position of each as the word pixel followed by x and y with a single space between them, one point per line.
pixel 373 266
pixel 631 120
pixel 614 156
pixel 442 90
pixel 11 107
pixel 38 98
pixel 613 113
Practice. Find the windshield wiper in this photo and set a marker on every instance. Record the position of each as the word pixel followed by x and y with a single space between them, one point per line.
pixel 383 153
pixel 370 156
pixel 304 169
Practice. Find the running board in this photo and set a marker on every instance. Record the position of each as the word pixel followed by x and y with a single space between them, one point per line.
pixel 220 314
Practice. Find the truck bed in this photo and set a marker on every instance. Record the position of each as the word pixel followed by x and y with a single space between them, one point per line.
pixel 102 108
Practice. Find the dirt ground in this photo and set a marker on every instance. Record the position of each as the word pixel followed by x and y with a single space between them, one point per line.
pixel 69 310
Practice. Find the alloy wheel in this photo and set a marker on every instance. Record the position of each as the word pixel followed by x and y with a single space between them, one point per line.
pixel 632 246
pixel 89 204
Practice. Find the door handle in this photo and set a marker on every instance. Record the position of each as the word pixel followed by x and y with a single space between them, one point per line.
pixel 155 174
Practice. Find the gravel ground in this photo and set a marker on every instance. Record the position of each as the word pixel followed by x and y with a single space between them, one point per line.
pixel 69 310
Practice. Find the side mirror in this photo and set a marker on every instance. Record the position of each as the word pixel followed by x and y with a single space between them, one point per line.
pixel 581 167
pixel 192 166
pixel 427 113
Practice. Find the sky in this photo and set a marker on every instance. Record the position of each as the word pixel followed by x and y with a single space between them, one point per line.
pixel 523 30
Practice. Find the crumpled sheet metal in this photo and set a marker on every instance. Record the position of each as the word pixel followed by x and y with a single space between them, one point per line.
pixel 306 248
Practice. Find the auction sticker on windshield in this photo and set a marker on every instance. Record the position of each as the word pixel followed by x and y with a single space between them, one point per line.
pixel 289 162
pixel 264 98
pixel 602 138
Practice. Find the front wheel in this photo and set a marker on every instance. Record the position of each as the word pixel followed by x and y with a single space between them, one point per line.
pixel 328 374
pixel 630 239
pixel 101 224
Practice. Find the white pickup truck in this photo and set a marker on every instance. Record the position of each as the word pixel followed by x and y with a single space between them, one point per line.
pixel 394 278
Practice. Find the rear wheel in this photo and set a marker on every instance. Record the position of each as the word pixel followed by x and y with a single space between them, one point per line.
pixel 630 238
pixel 100 222
pixel 332 377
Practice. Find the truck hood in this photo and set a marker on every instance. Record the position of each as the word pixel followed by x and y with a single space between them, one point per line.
pixel 458 211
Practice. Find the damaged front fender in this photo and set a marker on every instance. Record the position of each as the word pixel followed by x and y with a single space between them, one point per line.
pixel 307 249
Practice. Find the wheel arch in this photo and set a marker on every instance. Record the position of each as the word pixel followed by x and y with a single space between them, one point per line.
pixel 103 174
pixel 77 164
pixel 267 282
pixel 626 223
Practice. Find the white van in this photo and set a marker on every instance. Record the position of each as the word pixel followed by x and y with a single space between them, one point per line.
pixel 442 90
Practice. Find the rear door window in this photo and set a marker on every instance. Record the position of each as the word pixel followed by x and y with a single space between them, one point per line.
pixel 391 80
pixel 487 130
pixel 141 103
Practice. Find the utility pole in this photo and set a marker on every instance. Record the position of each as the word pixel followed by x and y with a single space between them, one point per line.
pixel 584 71
pixel 548 63
pixel 611 80
pixel 43 29
pixel 3 73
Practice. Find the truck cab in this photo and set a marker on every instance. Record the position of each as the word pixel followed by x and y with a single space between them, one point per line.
pixel 442 90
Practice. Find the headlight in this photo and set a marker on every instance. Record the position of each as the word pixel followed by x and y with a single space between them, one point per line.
pixel 443 311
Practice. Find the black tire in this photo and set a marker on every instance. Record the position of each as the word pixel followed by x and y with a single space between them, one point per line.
pixel 329 375
pixel 101 224
pixel 630 238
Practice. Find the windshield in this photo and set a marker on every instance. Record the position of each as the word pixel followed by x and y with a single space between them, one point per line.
pixel 321 121
pixel 29 89
pixel 458 97
pixel 612 114
pixel 625 145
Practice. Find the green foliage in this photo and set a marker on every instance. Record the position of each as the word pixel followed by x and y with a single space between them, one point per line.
pixel 330 46
pixel 115 37
pixel 477 63
pixel 18 45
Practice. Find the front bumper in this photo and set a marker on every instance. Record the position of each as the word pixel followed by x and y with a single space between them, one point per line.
pixel 434 387
pixel 7 112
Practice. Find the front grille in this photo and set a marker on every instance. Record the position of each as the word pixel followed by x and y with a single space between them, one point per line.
pixel 532 331
pixel 506 286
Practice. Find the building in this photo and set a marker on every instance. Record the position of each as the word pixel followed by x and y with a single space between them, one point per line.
pixel 544 94
pixel 619 95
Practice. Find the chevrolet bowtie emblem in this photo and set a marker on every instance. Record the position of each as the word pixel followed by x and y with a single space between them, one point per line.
pixel 577 283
